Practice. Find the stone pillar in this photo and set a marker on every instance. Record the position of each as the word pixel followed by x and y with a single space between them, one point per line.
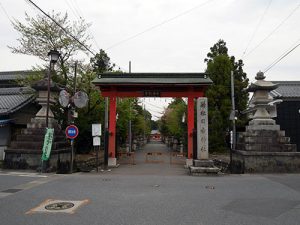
pixel 202 129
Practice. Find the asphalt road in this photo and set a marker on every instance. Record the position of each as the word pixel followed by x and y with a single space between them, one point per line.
pixel 131 195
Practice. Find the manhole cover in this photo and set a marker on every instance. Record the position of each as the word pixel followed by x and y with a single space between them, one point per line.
pixel 59 206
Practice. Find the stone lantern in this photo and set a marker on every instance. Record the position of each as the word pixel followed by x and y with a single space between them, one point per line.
pixel 263 147
pixel 261 102
pixel 41 87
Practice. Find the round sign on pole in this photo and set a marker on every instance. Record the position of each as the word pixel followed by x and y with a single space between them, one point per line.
pixel 72 132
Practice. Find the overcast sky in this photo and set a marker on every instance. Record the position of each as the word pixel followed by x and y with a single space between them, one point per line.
pixel 174 35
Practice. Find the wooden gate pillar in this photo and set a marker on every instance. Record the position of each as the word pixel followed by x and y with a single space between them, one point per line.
pixel 190 126
pixel 112 129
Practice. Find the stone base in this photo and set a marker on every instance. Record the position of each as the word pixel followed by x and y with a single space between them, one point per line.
pixel 203 166
pixel 203 163
pixel 203 170
pixel 2 153
pixel 112 162
pixel 265 162
pixel 188 163
pixel 59 161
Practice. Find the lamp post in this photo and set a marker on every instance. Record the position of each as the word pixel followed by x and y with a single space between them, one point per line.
pixel 53 56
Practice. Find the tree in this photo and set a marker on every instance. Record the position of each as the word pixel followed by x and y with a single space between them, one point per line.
pixel 39 35
pixel 101 62
pixel 219 67
pixel 129 109
pixel 171 122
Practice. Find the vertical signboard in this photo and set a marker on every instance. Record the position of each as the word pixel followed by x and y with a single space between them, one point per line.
pixel 47 144
pixel 202 128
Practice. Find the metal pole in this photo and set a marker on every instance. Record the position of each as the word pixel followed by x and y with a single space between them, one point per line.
pixel 72 121
pixel 72 155
pixel 233 120
pixel 75 75
pixel 48 96
pixel 47 109
pixel 144 124
pixel 130 138
pixel 97 158
pixel 129 66
pixel 130 135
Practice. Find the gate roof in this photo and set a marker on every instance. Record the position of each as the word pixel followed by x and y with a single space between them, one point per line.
pixel 147 84
pixel 152 78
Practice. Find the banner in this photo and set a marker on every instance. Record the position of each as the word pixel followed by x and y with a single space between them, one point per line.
pixel 47 144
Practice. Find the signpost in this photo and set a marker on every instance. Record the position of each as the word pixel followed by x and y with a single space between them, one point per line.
pixel 96 133
pixel 71 133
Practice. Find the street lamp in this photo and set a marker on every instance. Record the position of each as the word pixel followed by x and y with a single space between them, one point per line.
pixel 53 56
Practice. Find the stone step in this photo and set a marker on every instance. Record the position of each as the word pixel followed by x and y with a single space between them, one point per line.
pixel 39 131
pixel 38 137
pixel 37 145
pixel 203 163
pixel 262 133
pixel 268 147
pixel 35 151
pixel 203 170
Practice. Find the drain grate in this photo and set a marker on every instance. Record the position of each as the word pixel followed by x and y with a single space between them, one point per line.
pixel 59 206
pixel 13 190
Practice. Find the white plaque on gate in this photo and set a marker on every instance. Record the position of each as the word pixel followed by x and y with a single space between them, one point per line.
pixel 202 128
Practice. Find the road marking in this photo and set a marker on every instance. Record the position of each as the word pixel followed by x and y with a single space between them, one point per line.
pixel 22 174
pixel 28 185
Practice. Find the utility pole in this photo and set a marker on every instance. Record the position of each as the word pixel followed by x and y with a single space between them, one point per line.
pixel 129 130
pixel 233 120
pixel 144 124
pixel 72 119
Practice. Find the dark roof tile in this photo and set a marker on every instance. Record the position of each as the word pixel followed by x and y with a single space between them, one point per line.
pixel 12 99
pixel 286 89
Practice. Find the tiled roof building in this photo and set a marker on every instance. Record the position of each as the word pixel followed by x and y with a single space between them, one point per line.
pixel 17 105
pixel 288 112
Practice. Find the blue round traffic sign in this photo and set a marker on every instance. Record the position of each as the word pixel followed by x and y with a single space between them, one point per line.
pixel 72 132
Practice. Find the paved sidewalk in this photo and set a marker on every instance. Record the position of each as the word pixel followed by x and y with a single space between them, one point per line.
pixel 153 159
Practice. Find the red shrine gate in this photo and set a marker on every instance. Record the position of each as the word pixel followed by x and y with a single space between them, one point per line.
pixel 113 85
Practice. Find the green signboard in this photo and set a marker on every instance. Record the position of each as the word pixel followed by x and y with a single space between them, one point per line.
pixel 47 144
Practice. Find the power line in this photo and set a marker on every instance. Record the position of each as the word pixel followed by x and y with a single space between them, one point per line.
pixel 68 33
pixel 79 15
pixel 155 111
pixel 257 26
pixel 281 57
pixel 274 30
pixel 159 24
pixel 73 11
pixel 5 12
pixel 154 105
